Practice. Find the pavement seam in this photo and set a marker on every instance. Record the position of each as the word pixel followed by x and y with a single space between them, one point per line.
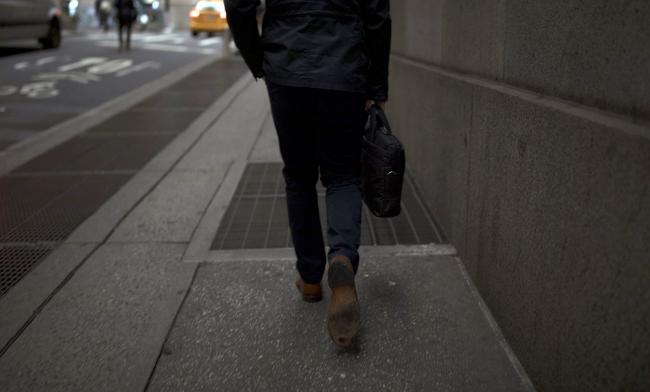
pixel 69 173
pixel 469 171
pixel 171 327
pixel 285 254
pixel 512 357
pixel 158 242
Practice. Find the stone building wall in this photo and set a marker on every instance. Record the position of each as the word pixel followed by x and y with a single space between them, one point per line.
pixel 527 129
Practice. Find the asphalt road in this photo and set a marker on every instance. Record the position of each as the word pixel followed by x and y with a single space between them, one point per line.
pixel 42 88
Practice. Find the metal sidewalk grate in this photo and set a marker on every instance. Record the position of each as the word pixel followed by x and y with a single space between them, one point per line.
pixel 58 210
pixel 16 262
pixel 148 120
pixel 99 153
pixel 257 216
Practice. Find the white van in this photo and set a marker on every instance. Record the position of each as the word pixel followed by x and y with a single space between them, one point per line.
pixel 38 19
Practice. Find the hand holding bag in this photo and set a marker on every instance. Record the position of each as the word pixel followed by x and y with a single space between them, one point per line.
pixel 382 166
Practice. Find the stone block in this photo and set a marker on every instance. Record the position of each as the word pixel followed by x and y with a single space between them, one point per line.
pixel 558 228
pixel 417 29
pixel 474 37
pixel 593 52
pixel 244 327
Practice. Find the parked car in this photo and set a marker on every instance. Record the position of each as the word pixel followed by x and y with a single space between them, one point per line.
pixel 38 19
pixel 208 16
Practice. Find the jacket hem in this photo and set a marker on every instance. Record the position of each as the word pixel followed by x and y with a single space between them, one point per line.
pixel 315 84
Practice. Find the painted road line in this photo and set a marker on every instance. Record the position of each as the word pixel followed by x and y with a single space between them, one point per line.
pixel 157 37
pixel 45 85
pixel 168 48
pixel 211 41
pixel 165 48
pixel 138 68
pixel 45 60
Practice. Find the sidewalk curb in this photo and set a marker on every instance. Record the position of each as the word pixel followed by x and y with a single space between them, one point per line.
pixel 288 254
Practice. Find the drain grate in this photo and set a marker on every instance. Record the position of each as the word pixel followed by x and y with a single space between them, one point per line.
pixel 60 212
pixel 16 262
pixel 148 120
pixel 257 216
pixel 22 197
pixel 99 153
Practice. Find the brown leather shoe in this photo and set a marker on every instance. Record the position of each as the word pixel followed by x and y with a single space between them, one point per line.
pixel 343 313
pixel 309 292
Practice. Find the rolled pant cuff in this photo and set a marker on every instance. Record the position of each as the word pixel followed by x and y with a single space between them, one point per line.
pixel 310 279
pixel 309 274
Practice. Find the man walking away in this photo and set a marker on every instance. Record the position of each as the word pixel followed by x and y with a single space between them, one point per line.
pixel 324 62
pixel 126 15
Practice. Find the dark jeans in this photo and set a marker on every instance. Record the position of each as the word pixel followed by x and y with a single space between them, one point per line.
pixel 320 129
pixel 124 25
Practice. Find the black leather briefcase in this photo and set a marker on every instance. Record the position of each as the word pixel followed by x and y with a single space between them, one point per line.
pixel 382 166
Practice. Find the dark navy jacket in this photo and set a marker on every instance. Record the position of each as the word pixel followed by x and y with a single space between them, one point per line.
pixel 330 44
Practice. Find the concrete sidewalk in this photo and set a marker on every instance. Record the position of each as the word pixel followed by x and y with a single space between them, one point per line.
pixel 136 299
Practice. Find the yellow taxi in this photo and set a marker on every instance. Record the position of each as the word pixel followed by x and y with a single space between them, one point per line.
pixel 208 16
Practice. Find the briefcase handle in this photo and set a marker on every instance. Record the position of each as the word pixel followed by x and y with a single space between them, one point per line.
pixel 377 120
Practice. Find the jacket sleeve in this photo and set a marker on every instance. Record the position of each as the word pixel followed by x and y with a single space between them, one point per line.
pixel 243 25
pixel 377 24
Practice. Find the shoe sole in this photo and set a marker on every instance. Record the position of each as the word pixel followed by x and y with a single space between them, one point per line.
pixel 343 324
pixel 344 319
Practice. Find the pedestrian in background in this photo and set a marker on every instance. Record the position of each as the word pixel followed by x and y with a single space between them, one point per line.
pixel 325 62
pixel 103 12
pixel 126 14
